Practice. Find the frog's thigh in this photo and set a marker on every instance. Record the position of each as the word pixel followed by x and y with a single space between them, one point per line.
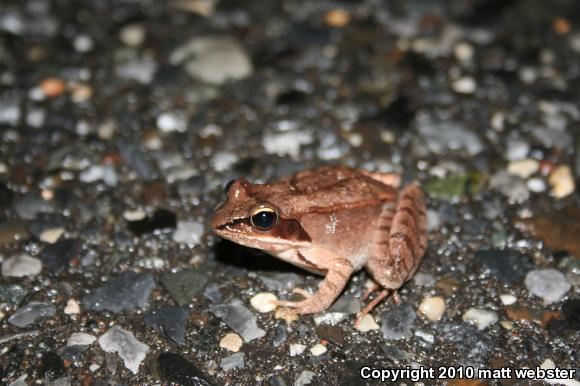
pixel 397 252
pixel 339 271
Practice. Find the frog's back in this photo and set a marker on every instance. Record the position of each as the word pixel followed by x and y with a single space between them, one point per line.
pixel 326 190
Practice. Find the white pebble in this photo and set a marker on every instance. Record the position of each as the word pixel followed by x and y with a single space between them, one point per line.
pixel 296 349
pixel 318 349
pixel 72 307
pixel 168 122
pixel 134 215
pixel 432 307
pixel 465 85
pixel 481 318
pixel 94 367
pixel 132 35
pixel 264 302
pixel 51 236
pixel 523 168
pixel 286 143
pixel 507 299
pixel 549 364
pixel 124 343
pixel 81 339
pixel 562 181
pixel 21 265
pixel 367 323
pixel 463 51
pixel 536 185
pixel 232 342
pixel 83 43
pixel 549 284
pixel 223 160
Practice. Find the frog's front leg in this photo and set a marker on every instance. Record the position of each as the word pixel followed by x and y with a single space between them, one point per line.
pixel 338 272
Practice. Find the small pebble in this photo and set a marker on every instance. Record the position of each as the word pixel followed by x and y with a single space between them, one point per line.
pixel 432 307
pixel 286 143
pixel 168 122
pixel 296 349
pixel 463 51
pixel 232 342
pixel 318 349
pixel 523 168
pixel 397 322
pixel 367 323
pixel 52 87
pixel 52 235
pixel 234 361
pixel 480 318
pixel 465 85
pixel 132 35
pixel 188 232
pixel 549 284
pixel 124 343
pixel 337 18
pixel 72 307
pixel 264 302
pixel 134 215
pixel 28 314
pixel 562 181
pixel 81 339
pixel 536 185
pixel 83 43
pixel 20 266
pixel 507 299
pixel 305 378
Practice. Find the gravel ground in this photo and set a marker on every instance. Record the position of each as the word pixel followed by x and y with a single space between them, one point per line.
pixel 122 121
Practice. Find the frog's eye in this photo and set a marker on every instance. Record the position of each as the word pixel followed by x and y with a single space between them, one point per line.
pixel 264 218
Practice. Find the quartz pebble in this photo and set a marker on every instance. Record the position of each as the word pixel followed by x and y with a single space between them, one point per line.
pixel 239 318
pixel 124 343
pixel 80 339
pixel 20 266
pixel 31 312
pixel 132 35
pixel 296 349
pixel 188 232
pixel 507 299
pixel 480 318
pixel 367 323
pixel 232 342
pixel 432 307
pixel 523 168
pixel 465 85
pixel 72 307
pixel 305 378
pixel 213 59
pixel 264 302
pixel 396 323
pixel 318 349
pixel 549 284
pixel 234 361
pixel 562 181
pixel 128 291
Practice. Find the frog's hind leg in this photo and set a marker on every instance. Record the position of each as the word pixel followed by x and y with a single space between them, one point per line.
pixel 400 243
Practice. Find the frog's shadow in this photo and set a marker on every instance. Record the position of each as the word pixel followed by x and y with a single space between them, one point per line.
pixel 238 256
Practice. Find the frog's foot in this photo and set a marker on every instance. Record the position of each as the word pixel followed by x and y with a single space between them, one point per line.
pixel 305 294
pixel 369 291
pixel 371 306
pixel 308 306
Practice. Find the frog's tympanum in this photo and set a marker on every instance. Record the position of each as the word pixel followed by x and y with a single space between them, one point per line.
pixel 331 221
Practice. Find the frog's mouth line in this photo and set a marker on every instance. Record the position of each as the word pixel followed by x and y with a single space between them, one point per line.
pixel 288 230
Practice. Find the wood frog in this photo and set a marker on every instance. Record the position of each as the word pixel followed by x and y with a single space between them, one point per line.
pixel 331 221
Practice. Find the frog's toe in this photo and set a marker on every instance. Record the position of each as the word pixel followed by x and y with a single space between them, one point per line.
pixel 301 307
pixel 305 294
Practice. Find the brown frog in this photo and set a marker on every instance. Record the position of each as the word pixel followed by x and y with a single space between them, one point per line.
pixel 331 221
